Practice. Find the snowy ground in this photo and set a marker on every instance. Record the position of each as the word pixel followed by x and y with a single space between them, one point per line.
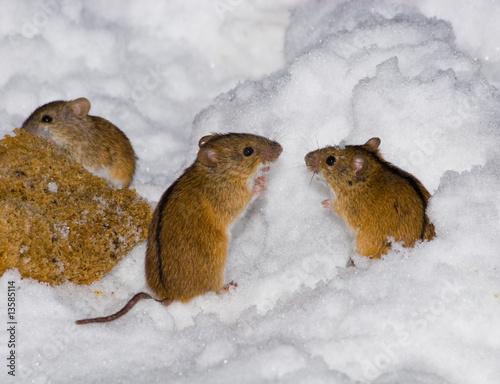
pixel 167 74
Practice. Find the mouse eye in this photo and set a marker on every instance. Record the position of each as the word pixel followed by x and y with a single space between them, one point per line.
pixel 330 160
pixel 248 151
pixel 47 119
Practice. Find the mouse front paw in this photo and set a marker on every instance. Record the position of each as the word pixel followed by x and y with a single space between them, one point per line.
pixel 327 204
pixel 259 185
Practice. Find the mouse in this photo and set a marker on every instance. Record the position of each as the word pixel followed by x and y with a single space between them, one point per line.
pixel 97 144
pixel 375 198
pixel 190 229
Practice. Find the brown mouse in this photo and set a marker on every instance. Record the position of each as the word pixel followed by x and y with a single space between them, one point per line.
pixel 101 147
pixel 375 198
pixel 189 234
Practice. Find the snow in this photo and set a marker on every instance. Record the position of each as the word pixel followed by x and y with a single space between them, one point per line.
pixel 422 76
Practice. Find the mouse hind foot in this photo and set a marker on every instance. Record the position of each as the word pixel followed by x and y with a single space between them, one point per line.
pixel 225 288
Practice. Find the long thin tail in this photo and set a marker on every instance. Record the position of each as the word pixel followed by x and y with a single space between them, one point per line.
pixel 133 301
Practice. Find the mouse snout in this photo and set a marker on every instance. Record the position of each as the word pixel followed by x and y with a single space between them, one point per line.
pixel 31 129
pixel 312 162
pixel 37 131
pixel 272 152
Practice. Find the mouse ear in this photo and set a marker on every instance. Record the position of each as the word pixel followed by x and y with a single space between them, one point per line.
pixel 204 139
pixel 80 107
pixel 373 144
pixel 208 157
pixel 359 165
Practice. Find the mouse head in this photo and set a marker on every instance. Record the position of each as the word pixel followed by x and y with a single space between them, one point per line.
pixel 57 117
pixel 344 167
pixel 237 154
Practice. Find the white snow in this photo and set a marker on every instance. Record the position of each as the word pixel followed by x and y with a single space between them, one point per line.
pixel 421 75
pixel 53 187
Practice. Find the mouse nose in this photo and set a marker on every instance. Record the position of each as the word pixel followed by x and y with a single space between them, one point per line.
pixel 273 152
pixel 312 162
pixel 278 149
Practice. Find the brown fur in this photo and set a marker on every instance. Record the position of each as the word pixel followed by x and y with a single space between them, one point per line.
pixel 375 198
pixel 188 236
pixel 92 141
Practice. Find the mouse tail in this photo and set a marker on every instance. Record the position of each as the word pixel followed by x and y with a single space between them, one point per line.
pixel 133 301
